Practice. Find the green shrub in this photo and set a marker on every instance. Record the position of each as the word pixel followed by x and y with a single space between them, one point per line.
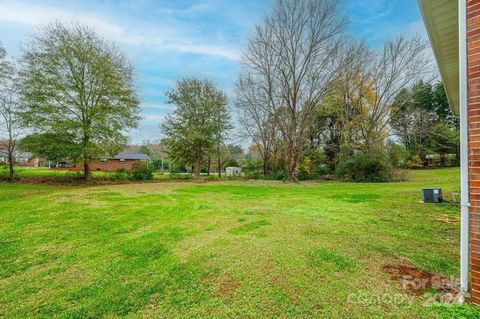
pixel 176 175
pixel 415 162
pixel 313 166
pixel 231 162
pixel 305 169
pixel 460 311
pixel 363 167
pixel 320 164
pixel 73 175
pixel 254 175
pixel 4 174
pixel 277 175
pixel 455 162
pixel 211 177
pixel 141 171
pixel 397 154
pixel 121 174
pixel 177 169
pixel 252 168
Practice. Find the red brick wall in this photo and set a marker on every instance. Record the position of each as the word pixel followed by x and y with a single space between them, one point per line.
pixel 110 165
pixel 473 65
pixel 33 162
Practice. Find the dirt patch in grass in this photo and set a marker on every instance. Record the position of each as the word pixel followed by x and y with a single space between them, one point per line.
pixel 224 285
pixel 418 282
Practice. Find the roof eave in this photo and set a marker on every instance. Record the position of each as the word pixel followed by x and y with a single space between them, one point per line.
pixel 441 21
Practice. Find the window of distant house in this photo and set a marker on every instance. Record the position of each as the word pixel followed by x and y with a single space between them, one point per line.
pixel 104 160
pixel 122 160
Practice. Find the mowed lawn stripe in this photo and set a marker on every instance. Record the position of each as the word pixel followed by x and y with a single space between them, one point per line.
pixel 221 249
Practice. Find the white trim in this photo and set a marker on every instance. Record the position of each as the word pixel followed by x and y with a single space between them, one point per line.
pixel 464 210
pixel 441 23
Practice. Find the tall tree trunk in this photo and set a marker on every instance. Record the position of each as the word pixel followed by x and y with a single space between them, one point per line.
pixel 197 168
pixel 219 161
pixel 443 159
pixel 292 159
pixel 86 170
pixel 457 151
pixel 209 166
pixel 368 142
pixel 265 165
pixel 10 165
pixel 86 157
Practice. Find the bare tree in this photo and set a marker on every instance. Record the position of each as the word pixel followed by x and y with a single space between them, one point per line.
pixel 9 127
pixel 290 59
pixel 362 97
pixel 255 117
pixel 348 95
pixel 401 64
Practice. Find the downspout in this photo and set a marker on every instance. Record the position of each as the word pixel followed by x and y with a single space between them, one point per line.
pixel 464 200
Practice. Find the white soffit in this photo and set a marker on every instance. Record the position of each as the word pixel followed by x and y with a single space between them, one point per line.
pixel 441 21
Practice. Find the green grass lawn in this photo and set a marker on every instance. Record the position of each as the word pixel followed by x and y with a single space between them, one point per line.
pixel 249 249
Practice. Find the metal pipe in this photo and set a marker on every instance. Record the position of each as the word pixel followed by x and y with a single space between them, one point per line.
pixel 464 200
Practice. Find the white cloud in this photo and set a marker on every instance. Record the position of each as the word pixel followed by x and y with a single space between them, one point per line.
pixel 148 118
pixel 366 12
pixel 160 38
pixel 41 15
pixel 417 27
pixel 185 47
pixel 145 132
pixel 158 106
pixel 193 9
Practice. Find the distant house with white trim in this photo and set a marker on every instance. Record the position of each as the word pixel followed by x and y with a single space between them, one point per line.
pixel 24 159
pixel 122 160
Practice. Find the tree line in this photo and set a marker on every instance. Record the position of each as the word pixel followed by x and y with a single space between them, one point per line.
pixel 312 101
pixel 309 101
pixel 309 95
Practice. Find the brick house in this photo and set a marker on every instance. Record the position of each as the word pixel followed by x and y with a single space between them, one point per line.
pixel 24 159
pixel 119 161
pixel 454 31
pixel 3 156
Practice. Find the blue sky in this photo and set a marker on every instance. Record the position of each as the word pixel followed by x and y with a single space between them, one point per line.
pixel 170 39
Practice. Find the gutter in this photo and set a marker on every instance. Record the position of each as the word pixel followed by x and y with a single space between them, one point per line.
pixel 464 200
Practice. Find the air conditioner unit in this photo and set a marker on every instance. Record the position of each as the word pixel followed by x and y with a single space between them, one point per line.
pixel 432 195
